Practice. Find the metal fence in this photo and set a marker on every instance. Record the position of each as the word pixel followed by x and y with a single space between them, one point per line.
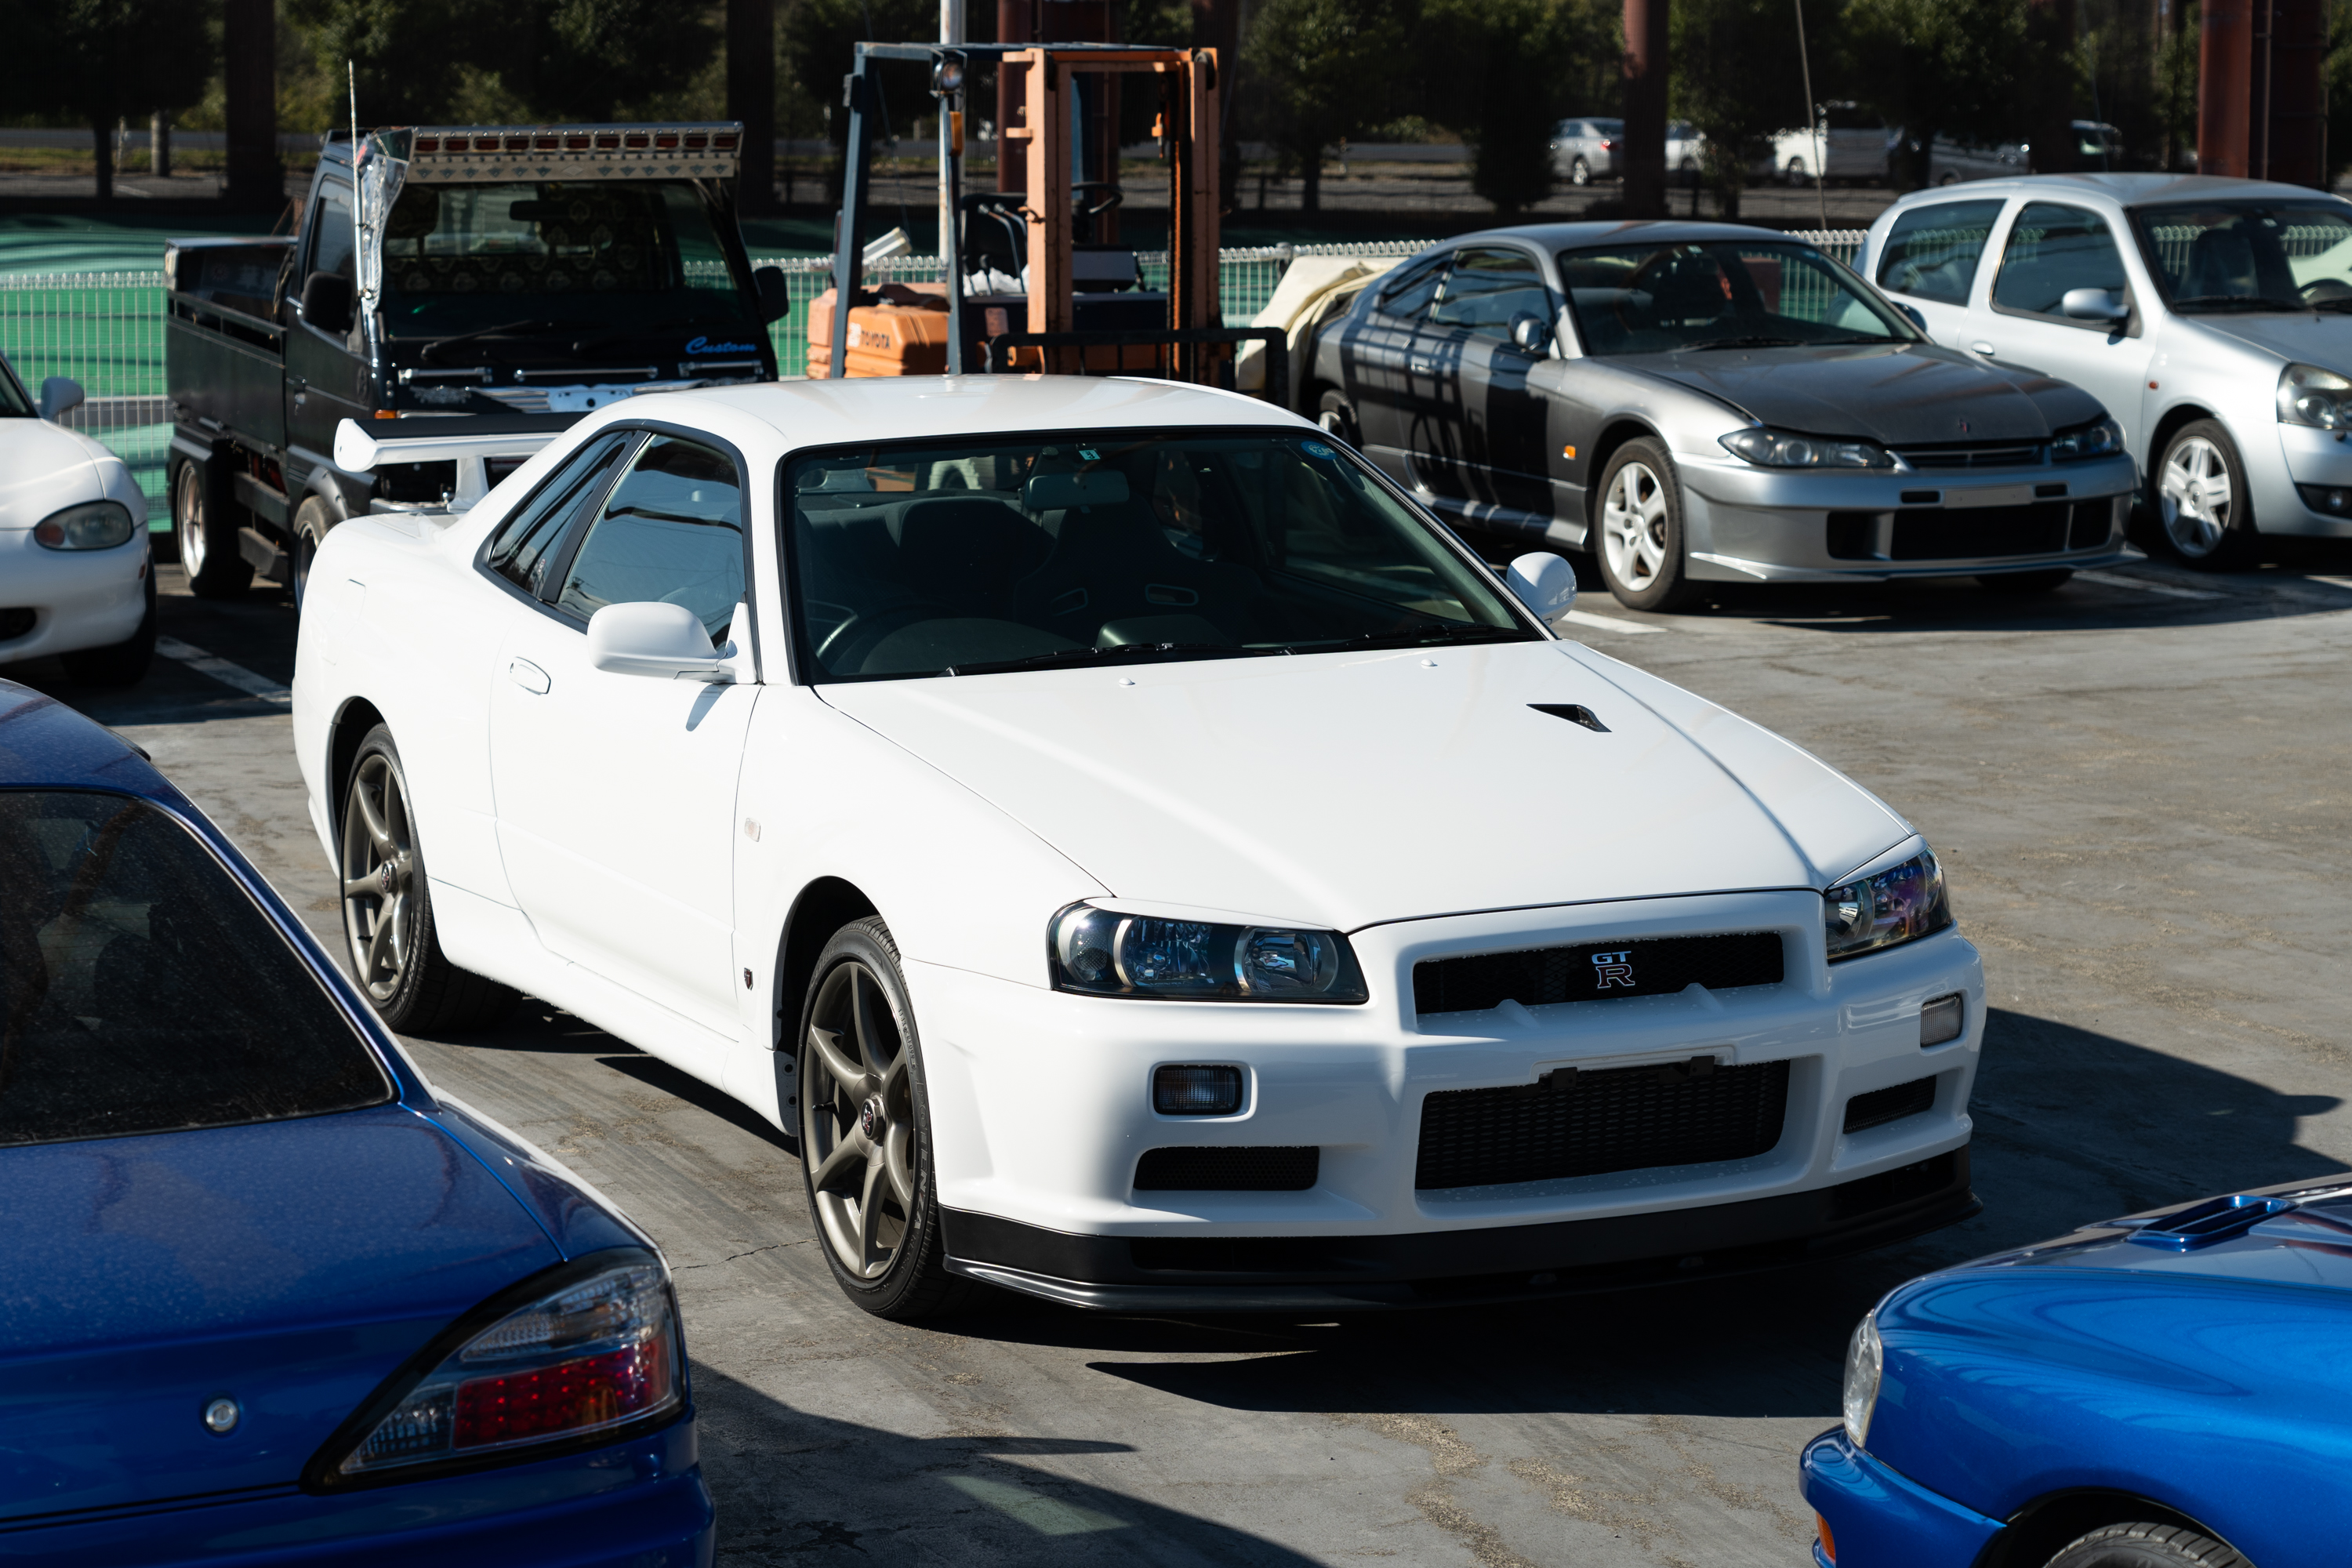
pixel 105 330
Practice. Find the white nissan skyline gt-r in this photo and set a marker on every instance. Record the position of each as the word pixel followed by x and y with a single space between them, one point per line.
pixel 1069 808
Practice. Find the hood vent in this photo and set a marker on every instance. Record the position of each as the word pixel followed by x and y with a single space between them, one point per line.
pixel 1574 712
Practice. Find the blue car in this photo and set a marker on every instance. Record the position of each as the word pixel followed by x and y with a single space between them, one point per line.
pixel 2169 1390
pixel 266 1296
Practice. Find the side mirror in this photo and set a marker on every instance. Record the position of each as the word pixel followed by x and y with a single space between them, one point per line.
pixel 1545 583
pixel 2095 305
pixel 1531 332
pixel 657 639
pixel 775 297
pixel 327 303
pixel 1919 318
pixel 60 392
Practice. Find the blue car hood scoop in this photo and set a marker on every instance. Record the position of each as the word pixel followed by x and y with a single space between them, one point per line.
pixel 290 1267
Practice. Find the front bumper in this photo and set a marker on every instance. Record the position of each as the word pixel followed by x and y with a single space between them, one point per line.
pixel 1041 1115
pixel 79 598
pixel 640 1504
pixel 1745 523
pixel 1884 1520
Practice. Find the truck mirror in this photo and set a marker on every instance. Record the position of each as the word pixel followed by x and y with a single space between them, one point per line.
pixel 327 301
pixel 775 297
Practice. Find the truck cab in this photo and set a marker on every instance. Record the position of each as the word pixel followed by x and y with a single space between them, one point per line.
pixel 490 281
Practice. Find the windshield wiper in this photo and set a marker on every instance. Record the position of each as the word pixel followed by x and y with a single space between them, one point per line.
pixel 2237 302
pixel 1747 343
pixel 507 329
pixel 1420 636
pixel 2341 302
pixel 1113 654
pixel 676 324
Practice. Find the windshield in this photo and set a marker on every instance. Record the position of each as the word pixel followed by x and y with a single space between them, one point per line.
pixel 956 556
pixel 142 990
pixel 13 403
pixel 2287 256
pixel 640 254
pixel 1721 294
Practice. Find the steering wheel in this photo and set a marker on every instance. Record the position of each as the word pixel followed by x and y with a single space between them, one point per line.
pixel 2324 290
pixel 878 624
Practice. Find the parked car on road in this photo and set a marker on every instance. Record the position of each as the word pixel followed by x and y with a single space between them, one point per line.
pixel 1707 403
pixel 869 748
pixel 1848 143
pixel 1586 150
pixel 269 1297
pixel 76 577
pixel 2211 317
pixel 2161 1390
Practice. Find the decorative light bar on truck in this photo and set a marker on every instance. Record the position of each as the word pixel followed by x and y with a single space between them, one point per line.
pixel 448 154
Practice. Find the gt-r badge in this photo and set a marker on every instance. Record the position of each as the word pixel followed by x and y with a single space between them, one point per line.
pixel 1612 969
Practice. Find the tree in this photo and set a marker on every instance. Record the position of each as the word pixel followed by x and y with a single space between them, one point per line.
pixel 1938 68
pixel 103 61
pixel 1325 68
pixel 1738 78
pixel 1502 73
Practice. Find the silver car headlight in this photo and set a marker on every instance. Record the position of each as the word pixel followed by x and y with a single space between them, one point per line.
pixel 1782 449
pixel 93 525
pixel 1886 907
pixel 1865 1362
pixel 2103 440
pixel 2310 396
pixel 1105 954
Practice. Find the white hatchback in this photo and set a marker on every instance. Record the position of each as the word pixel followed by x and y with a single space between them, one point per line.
pixel 1142 857
pixel 75 573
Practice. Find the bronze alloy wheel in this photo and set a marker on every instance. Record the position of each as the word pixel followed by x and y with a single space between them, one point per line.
pixel 381 902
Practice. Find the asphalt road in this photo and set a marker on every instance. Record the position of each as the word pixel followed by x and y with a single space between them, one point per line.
pixel 2139 788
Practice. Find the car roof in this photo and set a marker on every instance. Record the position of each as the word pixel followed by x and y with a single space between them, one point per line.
pixel 2130 190
pixel 867 409
pixel 43 742
pixel 1645 231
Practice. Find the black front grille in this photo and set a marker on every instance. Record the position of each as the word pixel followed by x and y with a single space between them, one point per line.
pixel 2038 529
pixel 15 623
pixel 2093 521
pixel 1588 1124
pixel 2014 455
pixel 1881 1106
pixel 1268 1170
pixel 1596 970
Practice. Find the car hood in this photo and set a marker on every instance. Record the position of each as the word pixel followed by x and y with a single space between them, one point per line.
pixel 1349 789
pixel 43 467
pixel 289 1266
pixel 1904 395
pixel 2324 340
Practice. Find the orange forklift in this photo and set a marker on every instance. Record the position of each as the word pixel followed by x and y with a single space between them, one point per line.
pixel 1028 288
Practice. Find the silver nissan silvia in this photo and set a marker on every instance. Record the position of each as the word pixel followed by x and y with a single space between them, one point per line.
pixel 1710 402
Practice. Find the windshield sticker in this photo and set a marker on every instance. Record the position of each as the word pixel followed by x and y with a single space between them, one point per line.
pixel 1317 449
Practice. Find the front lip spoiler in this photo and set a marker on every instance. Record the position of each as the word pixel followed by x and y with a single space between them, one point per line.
pixel 1716 1242
pixel 1885 572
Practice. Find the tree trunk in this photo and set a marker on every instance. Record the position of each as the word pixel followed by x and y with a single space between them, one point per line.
pixel 103 135
pixel 751 98
pixel 250 78
pixel 1310 181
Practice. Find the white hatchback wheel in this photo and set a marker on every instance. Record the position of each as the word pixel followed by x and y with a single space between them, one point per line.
pixel 2194 494
pixel 1633 526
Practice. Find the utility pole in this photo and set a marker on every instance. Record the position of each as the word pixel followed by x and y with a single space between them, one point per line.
pixel 2225 58
pixel 951 33
pixel 250 80
pixel 1642 160
pixel 751 98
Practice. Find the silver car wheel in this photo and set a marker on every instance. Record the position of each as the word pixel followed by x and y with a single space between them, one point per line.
pixel 858 1122
pixel 1633 526
pixel 2194 496
pixel 379 868
pixel 189 519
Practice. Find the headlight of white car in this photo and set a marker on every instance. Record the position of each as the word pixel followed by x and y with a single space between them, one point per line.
pixel 1865 1362
pixel 2103 440
pixel 1105 954
pixel 1885 908
pixel 1781 449
pixel 93 525
pixel 2310 396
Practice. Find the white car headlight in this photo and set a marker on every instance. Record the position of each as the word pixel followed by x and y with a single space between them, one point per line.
pixel 1886 907
pixel 2103 440
pixel 1780 449
pixel 93 525
pixel 2310 396
pixel 1865 1362
pixel 1105 954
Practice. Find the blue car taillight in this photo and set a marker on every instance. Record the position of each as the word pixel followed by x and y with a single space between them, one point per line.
pixel 577 1357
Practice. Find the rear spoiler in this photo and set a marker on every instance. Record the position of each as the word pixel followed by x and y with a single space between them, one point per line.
pixel 361 451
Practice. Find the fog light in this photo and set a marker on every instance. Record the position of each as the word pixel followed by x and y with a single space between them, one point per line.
pixel 1941 1020
pixel 1196 1091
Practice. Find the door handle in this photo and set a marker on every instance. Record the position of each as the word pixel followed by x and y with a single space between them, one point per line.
pixel 1984 349
pixel 528 676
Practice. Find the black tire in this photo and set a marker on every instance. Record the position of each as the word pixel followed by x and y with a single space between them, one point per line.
pixel 1336 416
pixel 1643 564
pixel 1580 172
pixel 2202 533
pixel 395 951
pixel 206 535
pixel 1794 175
pixel 2025 582
pixel 2146 1546
pixel 311 521
pixel 865 1128
pixel 119 664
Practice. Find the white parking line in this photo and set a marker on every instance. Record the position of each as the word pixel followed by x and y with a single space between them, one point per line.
pixel 2142 585
pixel 225 672
pixel 1605 623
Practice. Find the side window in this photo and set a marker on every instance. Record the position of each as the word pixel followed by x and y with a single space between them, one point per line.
pixel 2051 249
pixel 1932 251
pixel 524 547
pixel 1486 288
pixel 331 239
pixel 673 532
pixel 1406 297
